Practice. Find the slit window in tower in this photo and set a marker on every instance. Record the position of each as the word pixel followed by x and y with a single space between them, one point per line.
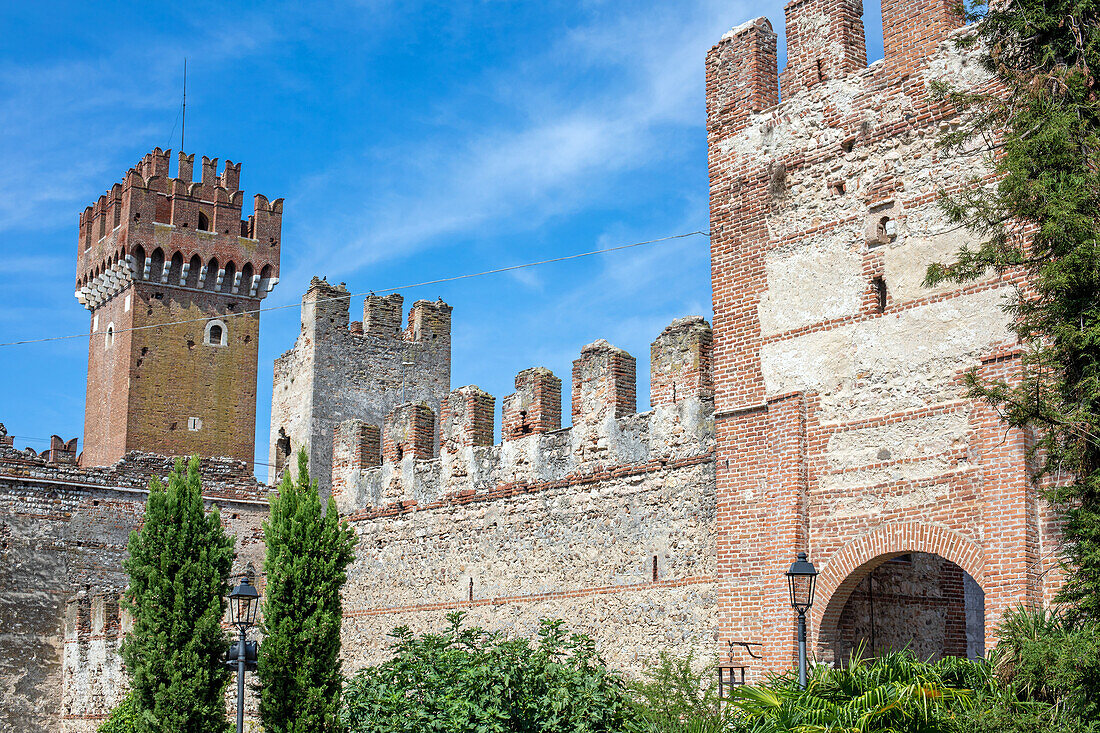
pixel 878 285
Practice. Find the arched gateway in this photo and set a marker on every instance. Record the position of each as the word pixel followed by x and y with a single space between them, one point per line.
pixel 929 594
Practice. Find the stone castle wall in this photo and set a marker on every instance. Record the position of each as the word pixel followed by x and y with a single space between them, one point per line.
pixel 63 535
pixel 340 371
pixel 608 524
pixel 842 426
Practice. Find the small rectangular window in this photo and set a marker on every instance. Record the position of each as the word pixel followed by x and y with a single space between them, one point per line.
pixel 194 424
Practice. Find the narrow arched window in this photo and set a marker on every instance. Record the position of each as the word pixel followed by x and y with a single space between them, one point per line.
pixel 216 334
pixel 109 339
pixel 204 222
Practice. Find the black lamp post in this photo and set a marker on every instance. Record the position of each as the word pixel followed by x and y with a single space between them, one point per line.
pixel 243 602
pixel 802 577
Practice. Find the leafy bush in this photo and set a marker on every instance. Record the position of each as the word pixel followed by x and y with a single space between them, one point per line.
pixel 895 692
pixel 898 692
pixel 467 679
pixel 678 695
pixel 122 718
pixel 1048 659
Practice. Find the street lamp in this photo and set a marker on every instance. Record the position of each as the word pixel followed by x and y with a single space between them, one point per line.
pixel 243 602
pixel 802 577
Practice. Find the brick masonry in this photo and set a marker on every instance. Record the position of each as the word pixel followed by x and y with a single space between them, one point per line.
pixel 824 411
pixel 841 425
pixel 163 262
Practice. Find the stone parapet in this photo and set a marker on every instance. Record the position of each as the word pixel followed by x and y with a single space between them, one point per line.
pixel 635 444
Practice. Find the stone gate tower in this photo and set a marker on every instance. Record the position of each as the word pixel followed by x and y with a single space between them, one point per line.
pixel 842 427
pixel 171 275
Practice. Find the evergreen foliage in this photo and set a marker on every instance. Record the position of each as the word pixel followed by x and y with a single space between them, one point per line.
pixel 122 718
pixel 1040 130
pixel 179 563
pixel 466 679
pixel 308 552
pixel 898 693
pixel 1050 661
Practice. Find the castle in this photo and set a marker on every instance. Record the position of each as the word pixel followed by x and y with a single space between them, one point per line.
pixel 823 412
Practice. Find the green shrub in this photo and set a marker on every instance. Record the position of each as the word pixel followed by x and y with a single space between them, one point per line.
pixel 1048 659
pixel 678 695
pixel 894 692
pixel 467 679
pixel 123 718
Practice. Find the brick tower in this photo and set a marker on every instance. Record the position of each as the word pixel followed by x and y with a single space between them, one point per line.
pixel 170 273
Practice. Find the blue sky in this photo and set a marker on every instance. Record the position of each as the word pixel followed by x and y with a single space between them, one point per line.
pixel 411 141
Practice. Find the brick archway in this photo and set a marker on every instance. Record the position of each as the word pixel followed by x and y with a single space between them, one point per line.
pixel 847 567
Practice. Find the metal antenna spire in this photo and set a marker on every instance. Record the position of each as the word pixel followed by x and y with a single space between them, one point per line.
pixel 183 124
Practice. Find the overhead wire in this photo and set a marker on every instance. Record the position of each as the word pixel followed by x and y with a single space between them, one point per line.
pixel 374 291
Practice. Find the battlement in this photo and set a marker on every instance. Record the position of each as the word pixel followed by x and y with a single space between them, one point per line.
pixel 362 371
pixel 223 478
pixel 92 672
pixel 606 435
pixel 326 309
pixel 178 232
pixel 825 42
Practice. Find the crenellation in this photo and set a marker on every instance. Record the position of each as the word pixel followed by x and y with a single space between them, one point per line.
pixel 469 462
pixel 429 321
pixel 680 362
pixel 382 315
pixel 604 383
pixel 912 29
pixel 466 419
pixel 185 168
pixel 336 372
pixel 356 446
pixel 742 76
pixel 407 432
pixel 825 40
pixel 230 178
pixel 61 451
pixel 535 406
pixel 325 308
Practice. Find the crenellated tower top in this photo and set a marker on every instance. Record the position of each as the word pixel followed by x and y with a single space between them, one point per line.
pixel 178 231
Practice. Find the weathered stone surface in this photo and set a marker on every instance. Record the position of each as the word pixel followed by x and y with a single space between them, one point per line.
pixel 616 539
pixel 63 534
pixel 335 374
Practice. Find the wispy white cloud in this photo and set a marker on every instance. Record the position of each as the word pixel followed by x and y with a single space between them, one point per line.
pixel 68 120
pixel 564 154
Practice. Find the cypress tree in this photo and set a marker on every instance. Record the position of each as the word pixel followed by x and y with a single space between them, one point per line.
pixel 308 552
pixel 179 563
pixel 1040 132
